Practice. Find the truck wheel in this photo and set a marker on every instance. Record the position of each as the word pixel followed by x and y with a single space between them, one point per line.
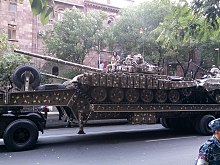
pixel 201 124
pixel 171 123
pixel 21 134
pixel 19 77
pixel 174 123
pixel 187 125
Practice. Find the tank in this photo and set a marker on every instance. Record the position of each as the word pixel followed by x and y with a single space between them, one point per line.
pixel 209 84
pixel 126 82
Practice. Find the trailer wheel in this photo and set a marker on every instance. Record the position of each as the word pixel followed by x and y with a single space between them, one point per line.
pixel 188 125
pixel 171 123
pixel 201 124
pixel 21 134
pixel 19 78
pixel 163 122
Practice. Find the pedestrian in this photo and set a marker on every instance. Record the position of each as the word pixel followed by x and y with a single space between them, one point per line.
pixel 209 152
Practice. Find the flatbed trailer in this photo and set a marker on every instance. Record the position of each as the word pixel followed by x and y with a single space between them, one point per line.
pixel 100 95
pixel 20 122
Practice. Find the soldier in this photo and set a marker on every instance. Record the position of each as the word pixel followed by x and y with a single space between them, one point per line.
pixel 115 60
pixel 128 60
pixel 209 152
pixel 215 71
pixel 138 59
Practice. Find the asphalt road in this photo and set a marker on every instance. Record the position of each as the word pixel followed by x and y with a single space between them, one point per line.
pixel 109 145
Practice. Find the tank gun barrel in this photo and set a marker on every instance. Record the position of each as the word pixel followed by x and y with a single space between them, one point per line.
pixel 53 59
pixel 53 76
pixel 213 74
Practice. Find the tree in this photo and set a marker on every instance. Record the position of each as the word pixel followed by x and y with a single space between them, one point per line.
pixel 74 36
pixel 183 33
pixel 210 9
pixel 132 29
pixel 9 60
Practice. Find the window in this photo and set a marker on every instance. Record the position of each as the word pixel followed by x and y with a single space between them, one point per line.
pixel 12 6
pixel 51 18
pixel 110 19
pixel 60 14
pixel 55 71
pixel 108 1
pixel 11 32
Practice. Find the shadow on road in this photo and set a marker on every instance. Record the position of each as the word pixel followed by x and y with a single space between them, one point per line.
pixel 112 137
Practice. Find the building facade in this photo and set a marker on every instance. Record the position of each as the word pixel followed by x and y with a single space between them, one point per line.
pixel 25 30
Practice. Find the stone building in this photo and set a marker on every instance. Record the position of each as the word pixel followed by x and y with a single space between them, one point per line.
pixel 25 30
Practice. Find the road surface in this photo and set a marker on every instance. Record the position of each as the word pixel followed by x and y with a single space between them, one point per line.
pixel 121 144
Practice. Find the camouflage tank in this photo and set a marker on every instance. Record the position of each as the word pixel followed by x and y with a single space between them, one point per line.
pixel 210 84
pixel 138 82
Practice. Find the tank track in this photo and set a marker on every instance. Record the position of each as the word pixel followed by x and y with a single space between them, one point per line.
pixel 87 96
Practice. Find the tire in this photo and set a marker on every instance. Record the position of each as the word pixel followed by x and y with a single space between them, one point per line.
pixel 173 123
pixel 21 134
pixel 37 117
pixel 163 122
pixel 187 125
pixel 19 77
pixel 201 124
pixel 34 115
pixel 51 87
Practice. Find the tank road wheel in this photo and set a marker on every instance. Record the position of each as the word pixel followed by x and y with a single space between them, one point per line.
pixel 99 94
pixel 147 95
pixel 174 96
pixel 132 95
pixel 186 92
pixel 21 134
pixel 116 95
pixel 161 96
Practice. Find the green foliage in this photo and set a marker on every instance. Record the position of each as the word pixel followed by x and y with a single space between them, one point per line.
pixel 182 32
pixel 74 36
pixel 209 9
pixel 9 60
pixel 43 8
pixel 71 73
pixel 132 30
pixel 4 45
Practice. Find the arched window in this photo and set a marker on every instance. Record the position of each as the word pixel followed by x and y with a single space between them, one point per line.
pixel 110 19
pixel 55 71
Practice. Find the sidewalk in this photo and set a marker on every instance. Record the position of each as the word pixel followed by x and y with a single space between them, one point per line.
pixel 54 122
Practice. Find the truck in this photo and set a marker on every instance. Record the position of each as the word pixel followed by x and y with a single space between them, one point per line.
pixel 137 92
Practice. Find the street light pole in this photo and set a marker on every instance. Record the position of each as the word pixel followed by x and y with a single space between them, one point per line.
pixel 217 49
pixel 142 33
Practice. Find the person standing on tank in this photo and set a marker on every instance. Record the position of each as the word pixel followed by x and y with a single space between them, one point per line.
pixel 209 152
pixel 115 61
